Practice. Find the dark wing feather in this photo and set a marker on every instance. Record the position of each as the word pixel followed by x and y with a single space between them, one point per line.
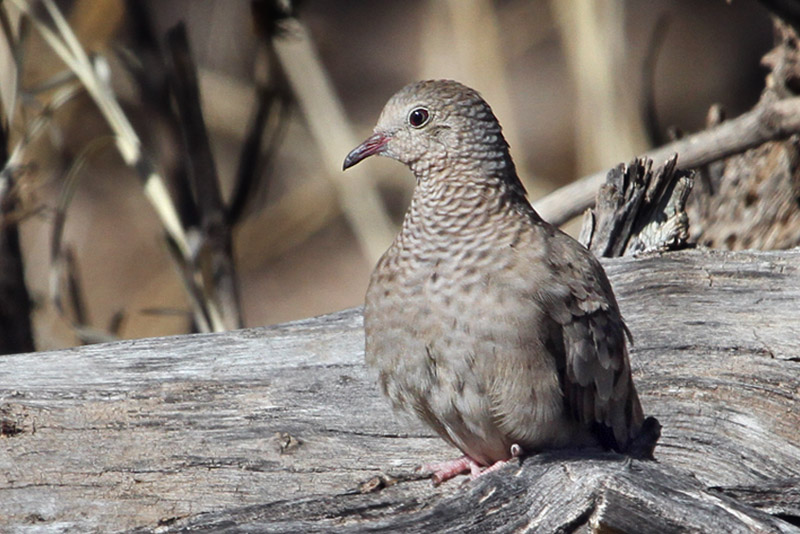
pixel 594 366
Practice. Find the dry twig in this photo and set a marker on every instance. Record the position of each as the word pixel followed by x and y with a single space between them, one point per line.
pixel 766 122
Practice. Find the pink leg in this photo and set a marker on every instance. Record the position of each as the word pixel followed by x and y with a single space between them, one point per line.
pixel 452 468
pixel 447 470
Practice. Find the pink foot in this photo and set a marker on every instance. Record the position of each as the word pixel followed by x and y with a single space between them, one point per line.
pixel 452 468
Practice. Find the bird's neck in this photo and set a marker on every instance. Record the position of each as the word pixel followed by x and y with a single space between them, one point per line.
pixel 465 205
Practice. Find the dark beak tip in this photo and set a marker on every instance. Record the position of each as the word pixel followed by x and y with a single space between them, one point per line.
pixel 352 158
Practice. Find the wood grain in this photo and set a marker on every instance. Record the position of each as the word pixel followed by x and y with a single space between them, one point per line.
pixel 280 429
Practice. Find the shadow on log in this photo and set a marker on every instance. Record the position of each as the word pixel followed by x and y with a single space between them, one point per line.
pixel 281 429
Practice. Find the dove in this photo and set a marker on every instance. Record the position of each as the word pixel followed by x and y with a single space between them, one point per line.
pixel 495 328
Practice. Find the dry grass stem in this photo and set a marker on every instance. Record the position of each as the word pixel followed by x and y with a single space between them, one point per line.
pixel 607 125
pixel 333 135
pixel 64 43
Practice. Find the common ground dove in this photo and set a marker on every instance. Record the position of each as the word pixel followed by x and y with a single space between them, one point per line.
pixel 497 329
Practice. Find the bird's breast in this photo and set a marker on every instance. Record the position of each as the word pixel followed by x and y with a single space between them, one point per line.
pixel 425 314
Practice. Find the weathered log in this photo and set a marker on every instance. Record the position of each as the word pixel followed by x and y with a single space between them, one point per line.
pixel 281 429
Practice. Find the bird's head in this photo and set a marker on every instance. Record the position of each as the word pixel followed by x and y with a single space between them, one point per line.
pixel 435 125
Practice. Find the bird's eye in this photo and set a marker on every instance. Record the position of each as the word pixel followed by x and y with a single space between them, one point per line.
pixel 418 117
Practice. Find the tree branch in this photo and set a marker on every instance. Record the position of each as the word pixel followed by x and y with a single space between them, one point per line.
pixel 767 122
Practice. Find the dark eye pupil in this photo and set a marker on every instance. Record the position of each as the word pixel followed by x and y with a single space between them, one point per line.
pixel 418 117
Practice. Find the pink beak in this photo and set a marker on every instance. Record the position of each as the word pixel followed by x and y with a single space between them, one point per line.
pixel 373 145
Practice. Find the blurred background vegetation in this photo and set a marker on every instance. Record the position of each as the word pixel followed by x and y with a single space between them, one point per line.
pixel 286 90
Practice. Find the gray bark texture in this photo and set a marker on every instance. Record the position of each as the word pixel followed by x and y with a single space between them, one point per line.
pixel 282 429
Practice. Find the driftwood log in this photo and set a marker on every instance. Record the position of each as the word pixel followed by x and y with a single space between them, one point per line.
pixel 282 430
